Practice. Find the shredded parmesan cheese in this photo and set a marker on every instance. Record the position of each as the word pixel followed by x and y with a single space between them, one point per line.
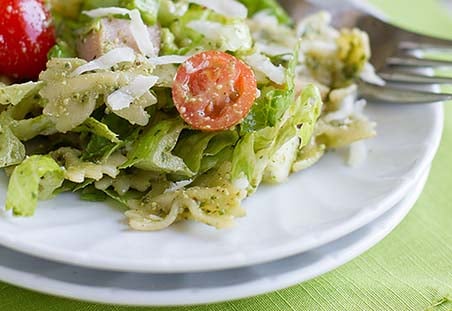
pixel 110 59
pixel 168 59
pixel 123 97
pixel 101 12
pixel 263 64
pixel 273 49
pixel 141 34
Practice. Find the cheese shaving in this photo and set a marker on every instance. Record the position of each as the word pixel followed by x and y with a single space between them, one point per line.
pixel 101 12
pixel 262 64
pixel 168 59
pixel 123 97
pixel 110 59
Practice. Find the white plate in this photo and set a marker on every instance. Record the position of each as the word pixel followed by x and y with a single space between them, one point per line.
pixel 313 208
pixel 196 288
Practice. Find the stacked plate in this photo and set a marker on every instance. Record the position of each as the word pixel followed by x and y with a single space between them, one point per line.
pixel 317 221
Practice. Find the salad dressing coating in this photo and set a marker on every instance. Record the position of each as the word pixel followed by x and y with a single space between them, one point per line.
pixel 179 110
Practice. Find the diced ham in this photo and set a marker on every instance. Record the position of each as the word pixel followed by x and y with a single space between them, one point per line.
pixel 113 33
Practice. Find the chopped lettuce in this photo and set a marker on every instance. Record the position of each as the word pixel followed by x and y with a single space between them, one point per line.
pixel 28 129
pixel 12 151
pixel 199 29
pixel 149 9
pixel 270 6
pixel 194 147
pixel 170 11
pixel 14 94
pixel 270 152
pixel 99 129
pixel 36 177
pixel 153 149
pixel 273 101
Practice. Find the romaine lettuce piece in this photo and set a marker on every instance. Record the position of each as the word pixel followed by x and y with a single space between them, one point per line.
pixel 94 4
pixel 100 148
pixel 273 101
pixel 170 11
pixel 194 147
pixel 271 6
pixel 148 8
pixel 12 151
pixel 265 153
pixel 98 128
pixel 153 149
pixel 294 135
pixel 36 177
pixel 14 94
pixel 62 49
pixel 244 158
pixel 233 36
pixel 30 128
pixel 200 29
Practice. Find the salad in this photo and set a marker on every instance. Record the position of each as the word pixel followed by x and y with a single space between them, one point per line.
pixel 178 110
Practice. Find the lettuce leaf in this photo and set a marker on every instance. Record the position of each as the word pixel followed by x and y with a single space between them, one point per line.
pixel 100 147
pixel 148 9
pixel 199 29
pixel 153 149
pixel 271 6
pixel 99 129
pixel 36 177
pixel 262 152
pixel 14 94
pixel 30 128
pixel 194 147
pixel 273 102
pixel 12 151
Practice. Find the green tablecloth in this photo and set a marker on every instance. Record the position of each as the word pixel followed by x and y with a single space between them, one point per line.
pixel 410 270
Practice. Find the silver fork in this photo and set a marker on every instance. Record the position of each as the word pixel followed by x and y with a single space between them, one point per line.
pixel 396 55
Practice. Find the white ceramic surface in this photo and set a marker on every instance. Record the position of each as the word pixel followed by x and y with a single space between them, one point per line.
pixel 196 288
pixel 313 208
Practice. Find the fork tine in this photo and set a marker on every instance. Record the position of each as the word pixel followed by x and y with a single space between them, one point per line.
pixel 410 45
pixel 388 94
pixel 411 61
pixel 405 77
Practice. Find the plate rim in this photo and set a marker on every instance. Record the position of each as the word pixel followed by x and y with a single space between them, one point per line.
pixel 194 296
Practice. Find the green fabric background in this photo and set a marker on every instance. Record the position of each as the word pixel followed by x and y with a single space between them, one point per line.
pixel 410 270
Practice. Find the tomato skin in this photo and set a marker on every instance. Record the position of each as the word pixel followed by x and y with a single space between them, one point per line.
pixel 26 36
pixel 214 91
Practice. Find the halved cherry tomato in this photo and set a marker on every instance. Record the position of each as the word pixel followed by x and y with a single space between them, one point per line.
pixel 26 36
pixel 214 91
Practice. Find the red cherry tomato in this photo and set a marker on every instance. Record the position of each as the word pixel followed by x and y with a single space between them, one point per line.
pixel 26 36
pixel 214 91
